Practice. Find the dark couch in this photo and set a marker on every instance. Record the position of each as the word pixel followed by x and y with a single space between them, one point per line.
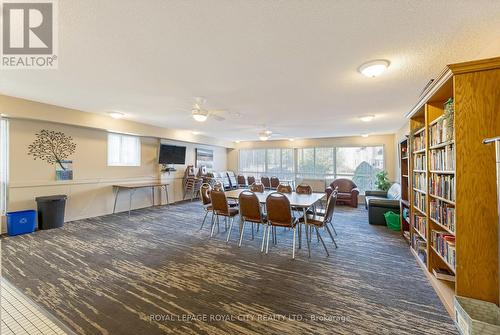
pixel 380 202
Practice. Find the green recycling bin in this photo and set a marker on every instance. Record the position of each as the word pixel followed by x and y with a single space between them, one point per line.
pixel 392 220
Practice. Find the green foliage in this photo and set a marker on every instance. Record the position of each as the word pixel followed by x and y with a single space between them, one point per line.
pixel 382 181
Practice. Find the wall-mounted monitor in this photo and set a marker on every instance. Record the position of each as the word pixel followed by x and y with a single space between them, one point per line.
pixel 172 154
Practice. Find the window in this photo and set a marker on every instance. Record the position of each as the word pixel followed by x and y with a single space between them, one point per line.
pixel 4 151
pixel 124 150
pixel 272 162
pixel 360 164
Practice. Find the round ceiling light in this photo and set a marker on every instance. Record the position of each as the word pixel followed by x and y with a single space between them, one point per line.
pixel 116 115
pixel 367 118
pixel 374 68
pixel 264 135
pixel 199 115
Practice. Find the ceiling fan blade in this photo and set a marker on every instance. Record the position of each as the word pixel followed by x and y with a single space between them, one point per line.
pixel 217 117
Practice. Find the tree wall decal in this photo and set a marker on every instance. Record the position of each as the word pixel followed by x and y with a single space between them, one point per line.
pixel 52 147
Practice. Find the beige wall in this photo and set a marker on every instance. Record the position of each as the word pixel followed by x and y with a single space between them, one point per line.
pixel 400 134
pixel 385 140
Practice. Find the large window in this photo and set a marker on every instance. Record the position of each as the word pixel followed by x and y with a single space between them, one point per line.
pixel 124 150
pixel 327 163
pixel 4 151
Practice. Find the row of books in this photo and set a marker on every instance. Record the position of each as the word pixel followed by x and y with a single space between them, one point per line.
pixel 419 162
pixel 420 224
pixel 419 142
pixel 420 246
pixel 443 159
pixel 443 213
pixel 444 244
pixel 419 180
pixel 419 200
pixel 443 186
pixel 440 132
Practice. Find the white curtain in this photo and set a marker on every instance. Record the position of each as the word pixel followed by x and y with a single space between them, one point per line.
pixel 4 160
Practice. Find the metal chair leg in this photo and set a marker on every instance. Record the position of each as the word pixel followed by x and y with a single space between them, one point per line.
pixel 300 236
pixel 213 224
pixel 267 243
pixel 203 222
pixel 331 224
pixel 242 228
pixel 252 231
pixel 293 243
pixel 322 242
pixel 218 226
pixel 263 238
pixel 331 236
pixel 308 241
pixel 230 228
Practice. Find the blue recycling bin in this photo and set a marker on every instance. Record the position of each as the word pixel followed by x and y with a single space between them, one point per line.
pixel 21 222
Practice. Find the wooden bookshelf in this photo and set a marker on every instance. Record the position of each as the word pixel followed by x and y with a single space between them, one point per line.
pixel 460 183
pixel 404 169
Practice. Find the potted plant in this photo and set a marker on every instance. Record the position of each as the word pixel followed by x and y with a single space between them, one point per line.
pixel 382 182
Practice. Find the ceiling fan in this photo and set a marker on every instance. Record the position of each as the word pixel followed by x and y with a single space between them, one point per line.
pixel 201 114
pixel 266 134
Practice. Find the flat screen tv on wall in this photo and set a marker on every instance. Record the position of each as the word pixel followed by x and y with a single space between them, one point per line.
pixel 172 154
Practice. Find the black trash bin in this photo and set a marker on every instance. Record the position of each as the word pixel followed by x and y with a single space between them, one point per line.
pixel 51 211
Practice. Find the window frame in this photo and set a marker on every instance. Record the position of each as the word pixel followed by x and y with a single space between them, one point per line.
pixel 4 165
pixel 121 162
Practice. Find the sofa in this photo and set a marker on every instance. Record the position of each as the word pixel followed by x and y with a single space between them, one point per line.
pixel 347 191
pixel 379 202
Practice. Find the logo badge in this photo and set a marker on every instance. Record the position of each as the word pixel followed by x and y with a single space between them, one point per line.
pixel 29 34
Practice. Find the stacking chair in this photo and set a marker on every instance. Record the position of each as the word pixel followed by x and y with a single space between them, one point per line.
pixel 274 182
pixel 266 182
pixel 282 188
pixel 257 187
pixel 220 207
pixel 250 180
pixel 250 211
pixel 241 181
pixel 205 190
pixel 279 214
pixel 316 221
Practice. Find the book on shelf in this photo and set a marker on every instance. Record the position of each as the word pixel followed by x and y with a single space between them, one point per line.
pixel 419 161
pixel 419 141
pixel 444 244
pixel 420 247
pixel 440 131
pixel 443 213
pixel 420 224
pixel 442 186
pixel 419 200
pixel 419 180
pixel 444 274
pixel 442 159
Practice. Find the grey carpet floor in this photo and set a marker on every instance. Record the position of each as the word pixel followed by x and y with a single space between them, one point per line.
pixel 156 273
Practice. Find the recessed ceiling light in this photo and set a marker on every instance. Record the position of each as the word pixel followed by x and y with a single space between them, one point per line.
pixel 367 118
pixel 194 132
pixel 116 115
pixel 237 141
pixel 199 115
pixel 374 68
pixel 365 135
pixel 3 115
pixel 291 139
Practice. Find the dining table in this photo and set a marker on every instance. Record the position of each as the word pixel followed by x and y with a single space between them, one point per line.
pixel 297 200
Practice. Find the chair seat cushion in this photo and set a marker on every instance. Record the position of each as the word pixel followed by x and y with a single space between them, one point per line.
pixel 313 219
pixel 233 211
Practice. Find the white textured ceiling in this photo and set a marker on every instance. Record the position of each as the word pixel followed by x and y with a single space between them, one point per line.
pixel 289 65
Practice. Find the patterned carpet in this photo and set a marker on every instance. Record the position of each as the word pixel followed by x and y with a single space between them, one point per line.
pixel 156 273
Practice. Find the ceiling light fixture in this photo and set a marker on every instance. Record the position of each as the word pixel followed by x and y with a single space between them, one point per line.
pixel 365 135
pixel 291 139
pixel 116 115
pixel 374 68
pixel 199 115
pixel 367 118
pixel 264 136
pixel 237 141
pixel 194 132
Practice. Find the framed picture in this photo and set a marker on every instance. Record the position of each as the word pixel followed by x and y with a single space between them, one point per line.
pixel 205 157
pixel 64 170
